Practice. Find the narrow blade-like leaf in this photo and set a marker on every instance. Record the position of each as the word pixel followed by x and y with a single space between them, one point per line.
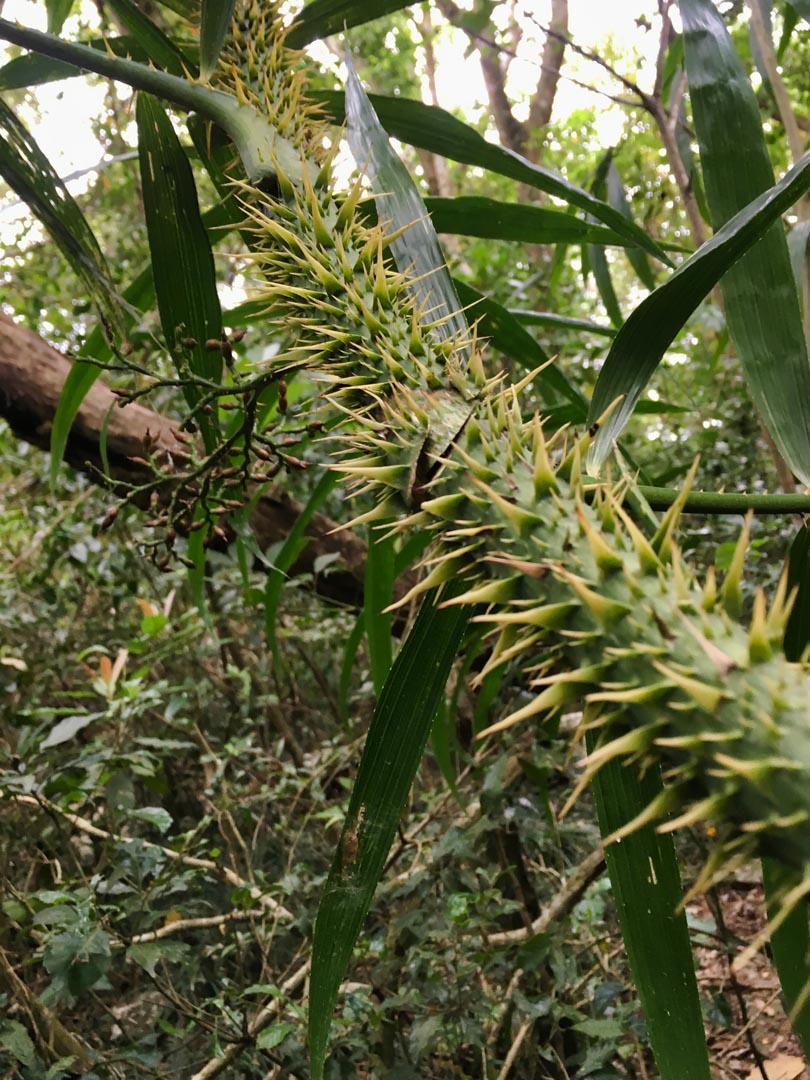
pixel 653 325
pixel 34 69
pixel 58 11
pixel 400 206
pixel 618 200
pixel 569 322
pixel 790 944
pixel 182 260
pixel 475 215
pixel 438 131
pixel 802 8
pixel 215 19
pixel 378 594
pixel 797 632
pixel 799 248
pixel 159 49
pixel 647 890
pixel 789 20
pixel 762 308
pixel 323 17
pixel 28 172
pixel 596 260
pixel 394 746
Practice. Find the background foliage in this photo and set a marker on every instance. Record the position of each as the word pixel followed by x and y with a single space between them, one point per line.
pixel 177 754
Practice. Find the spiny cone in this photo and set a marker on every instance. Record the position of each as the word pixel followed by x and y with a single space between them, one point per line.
pixel 666 671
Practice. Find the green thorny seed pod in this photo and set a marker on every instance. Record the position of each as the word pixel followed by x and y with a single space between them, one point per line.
pixel 593 610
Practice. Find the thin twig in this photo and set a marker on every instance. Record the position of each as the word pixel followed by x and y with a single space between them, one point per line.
pixel 504 1007
pixel 645 100
pixel 562 903
pixel 514 1049
pixel 85 826
pixel 260 1021
pixel 200 923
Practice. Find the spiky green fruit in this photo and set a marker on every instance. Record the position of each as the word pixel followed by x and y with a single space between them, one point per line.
pixel 555 567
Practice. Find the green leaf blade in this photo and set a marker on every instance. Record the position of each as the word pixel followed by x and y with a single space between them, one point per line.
pixel 790 944
pixel 215 20
pixel 324 17
pixel 159 48
pixel 797 632
pixel 762 307
pixel 647 889
pixel 396 740
pixel 415 246
pixel 653 325
pixel 58 11
pixel 182 259
pixel 30 174
pixel 476 215
pixel 378 595
pixel 431 128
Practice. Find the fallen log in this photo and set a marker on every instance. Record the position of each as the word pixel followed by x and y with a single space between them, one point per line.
pixel 32 374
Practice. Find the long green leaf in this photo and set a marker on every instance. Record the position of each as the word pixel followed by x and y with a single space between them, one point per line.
pixel 58 11
pixel 189 9
pixel 791 941
pixel 394 746
pixel 569 322
pixel 34 69
pixel 799 248
pixel 802 7
pixel 30 174
pixel 182 260
pixel 324 17
pixel 215 19
pixel 790 944
pixel 434 129
pixel 789 19
pixel 378 594
pixel 159 48
pixel 475 215
pixel 415 246
pixel 647 890
pixel 797 632
pixel 653 325
pixel 762 308
pixel 596 261
pixel 618 200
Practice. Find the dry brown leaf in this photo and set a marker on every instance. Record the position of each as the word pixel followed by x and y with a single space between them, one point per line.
pixel 783 1067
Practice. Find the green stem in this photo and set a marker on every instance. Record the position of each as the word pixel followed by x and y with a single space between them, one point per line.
pixel 712 502
pixel 256 141
pixel 210 103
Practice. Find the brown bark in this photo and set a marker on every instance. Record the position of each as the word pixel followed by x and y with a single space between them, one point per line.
pixel 515 134
pixel 434 166
pixel 32 374
pixel 542 101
